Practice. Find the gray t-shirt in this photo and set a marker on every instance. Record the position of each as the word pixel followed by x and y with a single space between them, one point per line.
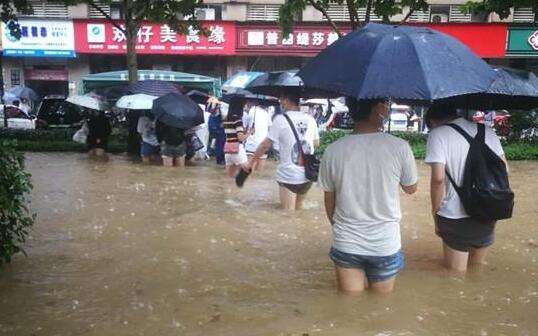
pixel 366 171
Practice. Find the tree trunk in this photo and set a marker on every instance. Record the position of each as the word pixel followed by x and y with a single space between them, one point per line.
pixel 368 12
pixel 132 61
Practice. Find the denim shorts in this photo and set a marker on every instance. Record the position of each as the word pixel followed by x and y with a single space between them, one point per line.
pixel 376 268
pixel 146 149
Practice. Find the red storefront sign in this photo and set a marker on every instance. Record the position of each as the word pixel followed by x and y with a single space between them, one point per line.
pixel 485 39
pixel 45 75
pixel 101 37
pixel 264 39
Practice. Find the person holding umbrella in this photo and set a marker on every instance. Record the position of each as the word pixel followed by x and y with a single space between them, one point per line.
pixel 149 145
pixel 98 132
pixel 293 184
pixel 361 175
pixel 175 113
pixel 235 154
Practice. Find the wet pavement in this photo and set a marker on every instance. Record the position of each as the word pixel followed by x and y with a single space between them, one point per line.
pixel 125 249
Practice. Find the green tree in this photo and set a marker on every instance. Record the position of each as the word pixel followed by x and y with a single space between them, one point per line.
pixel 501 7
pixel 15 186
pixel 385 9
pixel 170 12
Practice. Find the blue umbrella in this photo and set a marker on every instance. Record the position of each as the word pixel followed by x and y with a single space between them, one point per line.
pixel 177 110
pixel 24 92
pixel 512 89
pixel 153 88
pixel 398 62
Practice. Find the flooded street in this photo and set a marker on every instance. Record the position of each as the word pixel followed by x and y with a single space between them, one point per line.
pixel 125 249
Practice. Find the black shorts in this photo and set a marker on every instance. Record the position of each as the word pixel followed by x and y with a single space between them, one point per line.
pixel 300 189
pixel 462 234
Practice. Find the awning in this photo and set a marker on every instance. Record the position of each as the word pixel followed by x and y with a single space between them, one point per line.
pixel 120 78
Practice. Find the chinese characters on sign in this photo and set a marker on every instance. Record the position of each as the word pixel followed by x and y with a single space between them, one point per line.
pixel 156 39
pixel 41 38
pixel 297 39
pixel 306 40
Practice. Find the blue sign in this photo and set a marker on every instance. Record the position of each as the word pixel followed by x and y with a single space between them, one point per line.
pixel 41 38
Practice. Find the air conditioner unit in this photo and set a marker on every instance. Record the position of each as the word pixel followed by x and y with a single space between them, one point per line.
pixel 205 14
pixel 437 18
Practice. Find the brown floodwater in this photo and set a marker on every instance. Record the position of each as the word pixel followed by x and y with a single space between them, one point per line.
pixel 119 248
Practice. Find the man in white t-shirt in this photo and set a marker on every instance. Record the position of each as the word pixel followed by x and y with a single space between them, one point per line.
pixel 257 123
pixel 361 175
pixel 290 175
pixel 465 240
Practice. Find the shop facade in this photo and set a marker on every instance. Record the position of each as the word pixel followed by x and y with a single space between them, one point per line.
pixel 262 47
pixel 42 57
pixel 522 47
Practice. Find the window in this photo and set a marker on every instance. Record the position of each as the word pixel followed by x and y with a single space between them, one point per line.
pixel 420 16
pixel 15 77
pixel 262 12
pixel 456 15
pixel 340 13
pixel 48 9
pixel 523 15
pixel 115 11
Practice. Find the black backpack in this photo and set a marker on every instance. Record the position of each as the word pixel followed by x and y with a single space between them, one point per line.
pixel 485 192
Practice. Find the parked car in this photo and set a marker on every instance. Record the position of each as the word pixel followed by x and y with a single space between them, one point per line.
pixel 496 119
pixel 53 111
pixel 403 118
pixel 329 113
pixel 16 118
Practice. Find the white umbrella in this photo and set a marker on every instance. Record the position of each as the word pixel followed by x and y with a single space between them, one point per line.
pixel 88 101
pixel 136 102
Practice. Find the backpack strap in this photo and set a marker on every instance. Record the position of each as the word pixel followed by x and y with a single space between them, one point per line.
pixel 470 140
pixel 462 132
pixel 481 133
pixel 294 133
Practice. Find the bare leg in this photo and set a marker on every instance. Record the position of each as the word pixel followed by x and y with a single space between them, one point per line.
pixel 100 152
pixel 350 280
pixel 232 170
pixel 455 260
pixel 145 159
pixel 287 199
pixel 382 287
pixel 168 161
pixel 299 201
pixel 477 256
pixel 180 161
pixel 259 165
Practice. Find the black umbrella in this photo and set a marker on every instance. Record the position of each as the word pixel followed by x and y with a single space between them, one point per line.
pixel 275 82
pixel 242 94
pixel 198 96
pixel 403 63
pixel 177 110
pixel 512 89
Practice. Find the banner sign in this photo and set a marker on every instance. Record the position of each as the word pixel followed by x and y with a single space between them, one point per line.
pixel 102 37
pixel 485 39
pixel 40 38
pixel 522 41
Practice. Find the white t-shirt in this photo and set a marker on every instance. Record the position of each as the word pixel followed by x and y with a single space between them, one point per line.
pixel 288 170
pixel 448 147
pixel 258 121
pixel 366 171
pixel 146 129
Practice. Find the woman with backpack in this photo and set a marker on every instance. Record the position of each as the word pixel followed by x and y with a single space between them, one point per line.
pixel 458 151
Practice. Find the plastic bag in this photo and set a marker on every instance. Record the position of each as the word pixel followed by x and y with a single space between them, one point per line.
pixel 81 135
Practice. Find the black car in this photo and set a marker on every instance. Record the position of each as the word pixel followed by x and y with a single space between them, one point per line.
pixel 54 111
